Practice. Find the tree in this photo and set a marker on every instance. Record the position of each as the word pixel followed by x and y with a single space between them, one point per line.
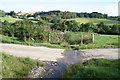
pixel 101 27
pixel 5 28
pixel 12 13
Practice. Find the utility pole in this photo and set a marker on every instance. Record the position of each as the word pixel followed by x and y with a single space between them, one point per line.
pixel 49 37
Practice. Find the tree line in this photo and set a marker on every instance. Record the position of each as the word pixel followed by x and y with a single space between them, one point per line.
pixel 86 27
pixel 60 14
pixel 24 30
pixel 50 16
pixel 27 29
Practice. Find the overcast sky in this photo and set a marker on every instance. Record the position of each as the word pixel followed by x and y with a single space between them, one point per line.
pixel 109 7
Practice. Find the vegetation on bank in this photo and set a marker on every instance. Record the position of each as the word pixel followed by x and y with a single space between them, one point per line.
pixel 17 67
pixel 94 69
pixel 14 40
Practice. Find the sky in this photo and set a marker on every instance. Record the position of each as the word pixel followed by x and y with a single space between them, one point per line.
pixel 109 7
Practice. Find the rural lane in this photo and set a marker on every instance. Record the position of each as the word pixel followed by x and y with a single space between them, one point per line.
pixel 42 53
pixel 52 54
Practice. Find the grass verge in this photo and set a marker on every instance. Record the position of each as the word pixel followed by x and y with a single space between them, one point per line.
pixel 17 67
pixel 14 40
pixel 94 68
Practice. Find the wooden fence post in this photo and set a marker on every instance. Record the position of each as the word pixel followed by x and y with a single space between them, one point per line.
pixel 93 38
pixel 81 39
pixel 49 37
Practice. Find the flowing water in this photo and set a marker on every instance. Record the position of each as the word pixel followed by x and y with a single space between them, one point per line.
pixel 55 69
pixel 72 57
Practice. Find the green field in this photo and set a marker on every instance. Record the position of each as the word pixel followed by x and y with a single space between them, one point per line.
pixel 9 19
pixel 100 69
pixel 17 67
pixel 95 20
pixel 106 39
pixel 81 20
pixel 102 41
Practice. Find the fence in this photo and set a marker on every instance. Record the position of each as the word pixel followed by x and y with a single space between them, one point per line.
pixel 75 38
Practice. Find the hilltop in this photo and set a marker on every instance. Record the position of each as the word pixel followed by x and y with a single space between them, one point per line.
pixel 25 13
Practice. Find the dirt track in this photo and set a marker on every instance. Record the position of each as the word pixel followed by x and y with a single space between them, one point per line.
pixel 42 53
pixel 102 53
pixel 51 54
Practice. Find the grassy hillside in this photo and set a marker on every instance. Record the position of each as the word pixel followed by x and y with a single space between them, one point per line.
pixel 16 67
pixel 95 20
pixel 81 20
pixel 9 19
pixel 95 68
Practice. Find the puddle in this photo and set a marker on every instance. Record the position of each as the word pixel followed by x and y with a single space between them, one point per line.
pixel 72 57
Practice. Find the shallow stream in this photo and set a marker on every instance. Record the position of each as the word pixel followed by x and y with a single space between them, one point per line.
pixel 55 69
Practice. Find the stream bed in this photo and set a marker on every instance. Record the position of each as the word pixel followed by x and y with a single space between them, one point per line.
pixel 54 69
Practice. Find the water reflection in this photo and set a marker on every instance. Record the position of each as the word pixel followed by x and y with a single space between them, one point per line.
pixel 72 56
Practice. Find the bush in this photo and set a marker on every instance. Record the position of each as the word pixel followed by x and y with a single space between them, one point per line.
pixel 72 38
pixel 87 39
